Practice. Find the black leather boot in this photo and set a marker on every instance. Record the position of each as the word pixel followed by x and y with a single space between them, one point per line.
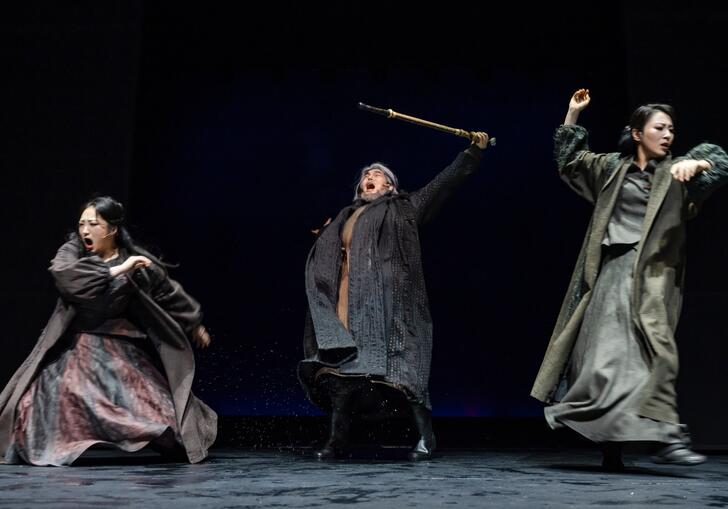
pixel 338 443
pixel 612 457
pixel 426 444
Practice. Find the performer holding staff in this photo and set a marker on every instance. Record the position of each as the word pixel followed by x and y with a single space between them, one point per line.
pixel 368 333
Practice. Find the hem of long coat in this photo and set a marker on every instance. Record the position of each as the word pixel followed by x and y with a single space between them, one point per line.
pixel 543 397
pixel 669 416
pixel 576 427
pixel 201 452
pixel 197 458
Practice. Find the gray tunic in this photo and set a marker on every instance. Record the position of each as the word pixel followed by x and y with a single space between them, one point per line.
pixel 625 225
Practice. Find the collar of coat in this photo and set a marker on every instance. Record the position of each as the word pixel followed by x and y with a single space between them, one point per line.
pixel 649 168
pixel 626 162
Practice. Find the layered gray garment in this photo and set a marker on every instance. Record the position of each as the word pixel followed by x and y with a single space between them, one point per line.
pixel 162 310
pixel 659 262
pixel 608 369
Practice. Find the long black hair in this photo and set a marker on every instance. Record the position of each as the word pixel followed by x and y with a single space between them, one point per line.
pixel 638 120
pixel 113 213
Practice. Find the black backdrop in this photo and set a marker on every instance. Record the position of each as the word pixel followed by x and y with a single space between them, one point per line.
pixel 231 131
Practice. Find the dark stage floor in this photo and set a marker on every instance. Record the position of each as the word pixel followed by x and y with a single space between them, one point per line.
pixel 240 478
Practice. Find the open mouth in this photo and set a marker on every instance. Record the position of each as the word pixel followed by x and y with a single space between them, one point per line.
pixel 88 243
pixel 369 186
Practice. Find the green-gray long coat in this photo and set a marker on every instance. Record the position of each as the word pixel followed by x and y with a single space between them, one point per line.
pixel 659 269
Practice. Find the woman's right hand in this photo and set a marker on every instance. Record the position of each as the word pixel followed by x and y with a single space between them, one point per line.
pixel 131 264
pixel 579 101
pixel 481 140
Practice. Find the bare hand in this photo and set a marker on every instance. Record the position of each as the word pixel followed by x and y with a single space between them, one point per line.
pixel 319 230
pixel 684 170
pixel 580 100
pixel 480 139
pixel 201 337
pixel 137 262
pixel 131 264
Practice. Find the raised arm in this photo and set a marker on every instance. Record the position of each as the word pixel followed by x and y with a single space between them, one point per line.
pixel 578 103
pixel 581 169
pixel 429 199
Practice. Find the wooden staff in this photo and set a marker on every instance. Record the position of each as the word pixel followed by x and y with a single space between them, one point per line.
pixel 426 123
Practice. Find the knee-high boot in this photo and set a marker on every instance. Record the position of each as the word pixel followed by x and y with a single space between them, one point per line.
pixel 426 444
pixel 338 443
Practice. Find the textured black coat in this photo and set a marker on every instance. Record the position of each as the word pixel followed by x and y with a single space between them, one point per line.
pixel 390 328
pixel 158 305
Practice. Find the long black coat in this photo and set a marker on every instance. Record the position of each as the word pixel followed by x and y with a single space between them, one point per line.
pixel 158 305
pixel 390 328
pixel 659 270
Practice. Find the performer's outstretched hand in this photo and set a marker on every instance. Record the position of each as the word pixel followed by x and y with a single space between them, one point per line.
pixel 480 139
pixel 318 231
pixel 201 337
pixel 579 101
pixel 684 170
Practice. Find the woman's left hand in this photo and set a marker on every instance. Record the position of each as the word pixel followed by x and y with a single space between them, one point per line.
pixel 682 171
pixel 201 337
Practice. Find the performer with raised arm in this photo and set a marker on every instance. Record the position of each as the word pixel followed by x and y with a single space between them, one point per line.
pixel 368 325
pixel 114 365
pixel 611 364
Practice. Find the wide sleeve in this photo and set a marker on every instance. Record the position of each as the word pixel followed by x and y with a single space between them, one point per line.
pixel 582 170
pixel 428 200
pixel 85 279
pixel 172 298
pixel 702 186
